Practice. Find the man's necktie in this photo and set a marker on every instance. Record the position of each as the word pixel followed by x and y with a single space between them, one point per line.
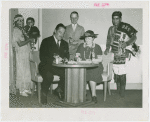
pixel 74 27
pixel 58 44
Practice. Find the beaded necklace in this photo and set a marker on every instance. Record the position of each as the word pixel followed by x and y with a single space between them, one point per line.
pixel 89 55
pixel 93 45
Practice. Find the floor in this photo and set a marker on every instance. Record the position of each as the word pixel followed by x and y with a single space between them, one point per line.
pixel 132 99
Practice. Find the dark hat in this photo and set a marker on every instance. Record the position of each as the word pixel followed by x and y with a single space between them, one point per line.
pixel 89 33
pixel 117 13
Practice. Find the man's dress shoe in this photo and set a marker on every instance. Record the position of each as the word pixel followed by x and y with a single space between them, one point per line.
pixel 59 94
pixel 43 98
pixel 94 99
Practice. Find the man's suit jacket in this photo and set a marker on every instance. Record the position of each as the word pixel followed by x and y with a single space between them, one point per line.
pixel 48 48
pixel 79 31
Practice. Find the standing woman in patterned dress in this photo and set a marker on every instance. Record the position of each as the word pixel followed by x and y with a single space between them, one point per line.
pixel 23 75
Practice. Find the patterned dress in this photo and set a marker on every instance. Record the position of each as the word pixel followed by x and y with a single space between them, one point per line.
pixel 92 74
pixel 23 75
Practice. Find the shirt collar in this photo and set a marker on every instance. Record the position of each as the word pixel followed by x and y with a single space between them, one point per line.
pixel 56 40
pixel 74 25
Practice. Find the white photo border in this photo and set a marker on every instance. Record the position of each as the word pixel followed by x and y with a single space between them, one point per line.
pixel 71 114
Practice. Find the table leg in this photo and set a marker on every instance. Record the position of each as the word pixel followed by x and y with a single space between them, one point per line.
pixel 75 85
pixel 75 76
pixel 68 84
pixel 82 85
pixel 75 88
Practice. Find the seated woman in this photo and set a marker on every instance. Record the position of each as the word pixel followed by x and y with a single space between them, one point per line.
pixel 86 50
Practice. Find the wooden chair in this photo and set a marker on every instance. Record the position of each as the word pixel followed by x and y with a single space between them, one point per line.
pixel 35 76
pixel 107 73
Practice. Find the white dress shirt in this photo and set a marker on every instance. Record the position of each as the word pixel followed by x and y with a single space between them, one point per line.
pixel 74 26
pixel 57 40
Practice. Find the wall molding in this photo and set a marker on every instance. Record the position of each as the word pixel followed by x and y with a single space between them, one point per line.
pixel 40 27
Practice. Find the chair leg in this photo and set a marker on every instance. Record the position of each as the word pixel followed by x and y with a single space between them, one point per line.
pixel 51 88
pixel 17 92
pixel 109 87
pixel 39 92
pixel 33 89
pixel 89 89
pixel 105 90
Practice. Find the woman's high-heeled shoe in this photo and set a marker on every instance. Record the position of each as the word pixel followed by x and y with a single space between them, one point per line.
pixel 28 91
pixel 24 94
pixel 94 99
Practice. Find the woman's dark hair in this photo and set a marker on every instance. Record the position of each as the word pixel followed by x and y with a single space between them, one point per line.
pixel 30 18
pixel 74 12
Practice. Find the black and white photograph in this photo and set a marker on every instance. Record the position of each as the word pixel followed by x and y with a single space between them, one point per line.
pixel 87 59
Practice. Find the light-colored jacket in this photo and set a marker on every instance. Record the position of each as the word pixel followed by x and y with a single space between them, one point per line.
pixel 75 35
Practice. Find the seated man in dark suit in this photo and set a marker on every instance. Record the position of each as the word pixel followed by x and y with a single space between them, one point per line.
pixel 49 47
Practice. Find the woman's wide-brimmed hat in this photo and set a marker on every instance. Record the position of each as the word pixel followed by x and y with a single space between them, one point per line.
pixel 89 33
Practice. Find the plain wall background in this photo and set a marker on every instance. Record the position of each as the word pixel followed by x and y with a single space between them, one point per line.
pixel 98 20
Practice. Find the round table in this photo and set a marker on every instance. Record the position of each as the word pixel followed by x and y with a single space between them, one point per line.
pixel 75 83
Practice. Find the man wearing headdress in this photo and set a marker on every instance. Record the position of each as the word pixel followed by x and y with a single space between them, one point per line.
pixel 121 39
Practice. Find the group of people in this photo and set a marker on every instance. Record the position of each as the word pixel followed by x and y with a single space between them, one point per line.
pixel 66 41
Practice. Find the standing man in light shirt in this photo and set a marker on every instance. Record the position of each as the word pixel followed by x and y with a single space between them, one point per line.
pixel 73 33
